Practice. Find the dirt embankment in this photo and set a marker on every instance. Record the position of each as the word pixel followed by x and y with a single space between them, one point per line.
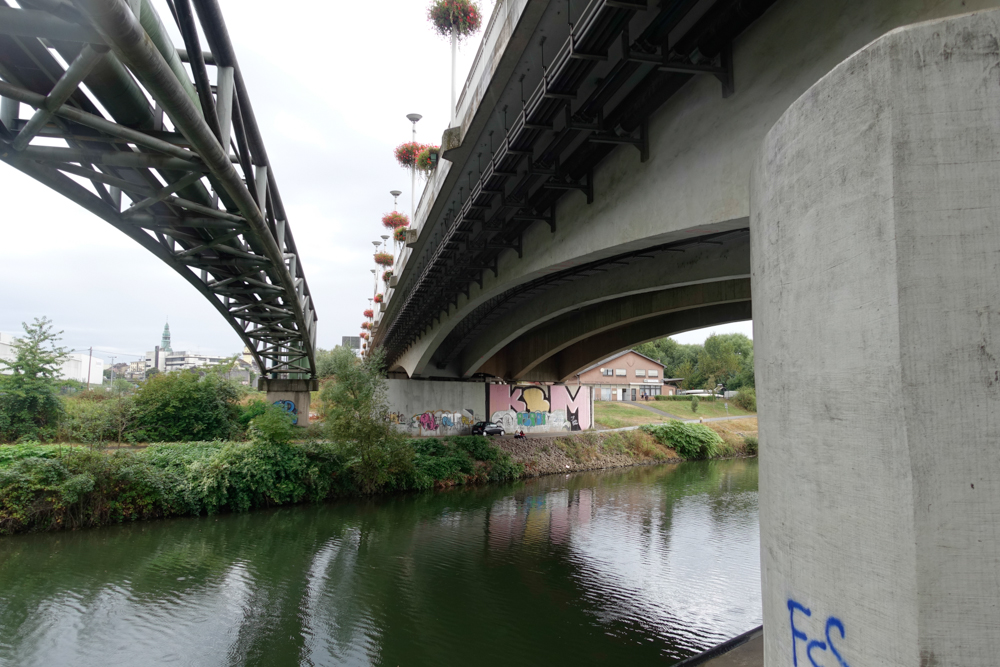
pixel 595 450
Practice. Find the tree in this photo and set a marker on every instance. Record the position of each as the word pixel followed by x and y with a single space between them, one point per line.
pixel 671 354
pixel 29 400
pixel 174 407
pixel 724 360
pixel 357 419
pixel 326 360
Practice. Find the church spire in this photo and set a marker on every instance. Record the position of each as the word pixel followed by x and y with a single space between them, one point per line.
pixel 165 342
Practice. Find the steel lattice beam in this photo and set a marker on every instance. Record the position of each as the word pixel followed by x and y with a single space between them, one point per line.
pixel 214 216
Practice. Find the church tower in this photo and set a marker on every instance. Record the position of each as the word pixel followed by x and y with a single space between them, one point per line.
pixel 165 342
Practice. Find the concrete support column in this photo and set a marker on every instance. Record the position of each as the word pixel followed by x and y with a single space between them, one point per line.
pixel 875 224
pixel 292 395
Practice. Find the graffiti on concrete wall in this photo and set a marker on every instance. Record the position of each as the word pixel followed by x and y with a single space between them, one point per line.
pixel 803 642
pixel 289 407
pixel 435 422
pixel 540 408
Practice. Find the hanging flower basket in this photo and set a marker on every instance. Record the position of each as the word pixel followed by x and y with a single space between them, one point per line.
pixel 459 17
pixel 386 276
pixel 379 298
pixel 406 154
pixel 399 236
pixel 395 220
pixel 383 259
pixel 364 334
pixel 369 313
pixel 427 160
pixel 366 325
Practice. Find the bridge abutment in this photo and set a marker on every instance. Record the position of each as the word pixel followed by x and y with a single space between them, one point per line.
pixel 292 395
pixel 875 247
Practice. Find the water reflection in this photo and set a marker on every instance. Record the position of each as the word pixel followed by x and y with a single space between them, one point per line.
pixel 639 565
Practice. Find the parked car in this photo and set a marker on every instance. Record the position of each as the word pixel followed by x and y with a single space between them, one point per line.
pixel 487 428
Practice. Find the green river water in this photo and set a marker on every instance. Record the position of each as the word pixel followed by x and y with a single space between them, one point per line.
pixel 640 566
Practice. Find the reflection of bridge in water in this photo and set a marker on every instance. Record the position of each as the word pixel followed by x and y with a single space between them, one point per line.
pixel 161 143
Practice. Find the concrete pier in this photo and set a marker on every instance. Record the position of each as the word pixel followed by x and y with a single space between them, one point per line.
pixel 875 225
pixel 292 395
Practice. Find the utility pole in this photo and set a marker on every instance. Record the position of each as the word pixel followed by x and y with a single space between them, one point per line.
pixel 90 364
pixel 112 373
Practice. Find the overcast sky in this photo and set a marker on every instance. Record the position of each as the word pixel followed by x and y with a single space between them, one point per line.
pixel 330 94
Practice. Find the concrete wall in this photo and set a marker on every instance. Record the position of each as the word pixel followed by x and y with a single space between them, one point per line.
pixel 877 331
pixel 701 148
pixel 422 407
pixel 427 407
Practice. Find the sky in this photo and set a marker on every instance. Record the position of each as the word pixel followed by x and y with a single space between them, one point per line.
pixel 330 90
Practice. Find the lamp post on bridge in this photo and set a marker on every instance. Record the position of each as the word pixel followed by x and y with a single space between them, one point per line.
pixel 413 118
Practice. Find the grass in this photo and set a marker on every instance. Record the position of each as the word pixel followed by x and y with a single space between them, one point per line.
pixel 732 431
pixel 610 414
pixel 706 409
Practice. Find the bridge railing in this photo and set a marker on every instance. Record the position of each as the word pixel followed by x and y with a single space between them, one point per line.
pixel 186 176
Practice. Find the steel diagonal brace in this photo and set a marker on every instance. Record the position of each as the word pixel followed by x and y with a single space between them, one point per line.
pixel 163 193
pixel 63 89
pixel 122 31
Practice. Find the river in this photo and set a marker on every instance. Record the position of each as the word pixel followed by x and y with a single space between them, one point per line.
pixel 645 565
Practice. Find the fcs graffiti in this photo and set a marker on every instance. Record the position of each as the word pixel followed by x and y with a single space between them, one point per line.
pixel 289 407
pixel 814 648
pixel 540 408
pixel 436 422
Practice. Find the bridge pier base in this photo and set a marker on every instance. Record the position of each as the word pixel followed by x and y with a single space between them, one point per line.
pixel 875 251
pixel 293 395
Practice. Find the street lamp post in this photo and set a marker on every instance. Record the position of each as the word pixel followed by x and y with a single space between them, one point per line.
pixel 413 118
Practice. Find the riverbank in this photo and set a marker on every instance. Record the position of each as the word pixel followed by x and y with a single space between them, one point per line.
pixel 55 487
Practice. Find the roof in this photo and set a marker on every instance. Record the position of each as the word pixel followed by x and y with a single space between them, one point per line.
pixel 615 356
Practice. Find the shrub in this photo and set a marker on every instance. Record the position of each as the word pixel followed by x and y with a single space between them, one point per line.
pixel 750 444
pixel 29 400
pixel 690 441
pixel 273 426
pixel 675 397
pixel 180 407
pixel 694 404
pixel 746 399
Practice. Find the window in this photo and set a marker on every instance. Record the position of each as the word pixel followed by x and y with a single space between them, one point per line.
pixel 640 372
pixel 654 374
pixel 621 372
pixel 605 371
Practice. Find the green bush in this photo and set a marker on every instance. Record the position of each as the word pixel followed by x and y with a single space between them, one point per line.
pixel 675 397
pixel 750 444
pixel 746 399
pixel 694 404
pixel 690 441
pixel 181 407
pixel 274 425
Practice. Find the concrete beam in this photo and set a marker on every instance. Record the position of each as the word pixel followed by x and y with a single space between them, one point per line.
pixel 564 366
pixel 518 359
pixel 877 322
pixel 695 265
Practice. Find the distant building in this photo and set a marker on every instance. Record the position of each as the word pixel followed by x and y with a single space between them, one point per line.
pixel 626 376
pixel 77 366
pixel 165 360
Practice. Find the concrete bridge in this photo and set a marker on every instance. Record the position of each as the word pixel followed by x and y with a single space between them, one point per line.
pixel 623 171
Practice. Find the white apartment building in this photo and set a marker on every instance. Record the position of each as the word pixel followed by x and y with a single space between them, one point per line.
pixel 76 366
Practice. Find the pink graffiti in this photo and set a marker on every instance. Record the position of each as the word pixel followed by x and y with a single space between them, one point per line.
pixel 427 421
pixel 579 403
pixel 503 398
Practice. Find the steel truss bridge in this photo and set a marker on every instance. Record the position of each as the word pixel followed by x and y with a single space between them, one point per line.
pixel 179 165
pixel 619 62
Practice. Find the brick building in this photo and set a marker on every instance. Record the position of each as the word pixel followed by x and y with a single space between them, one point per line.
pixel 626 376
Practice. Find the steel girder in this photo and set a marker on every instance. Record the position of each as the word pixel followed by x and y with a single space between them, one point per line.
pixel 186 177
pixel 565 128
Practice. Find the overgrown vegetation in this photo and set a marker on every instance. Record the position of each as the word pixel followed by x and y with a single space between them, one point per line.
pixel 690 441
pixel 746 398
pixel 29 401
pixel 750 444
